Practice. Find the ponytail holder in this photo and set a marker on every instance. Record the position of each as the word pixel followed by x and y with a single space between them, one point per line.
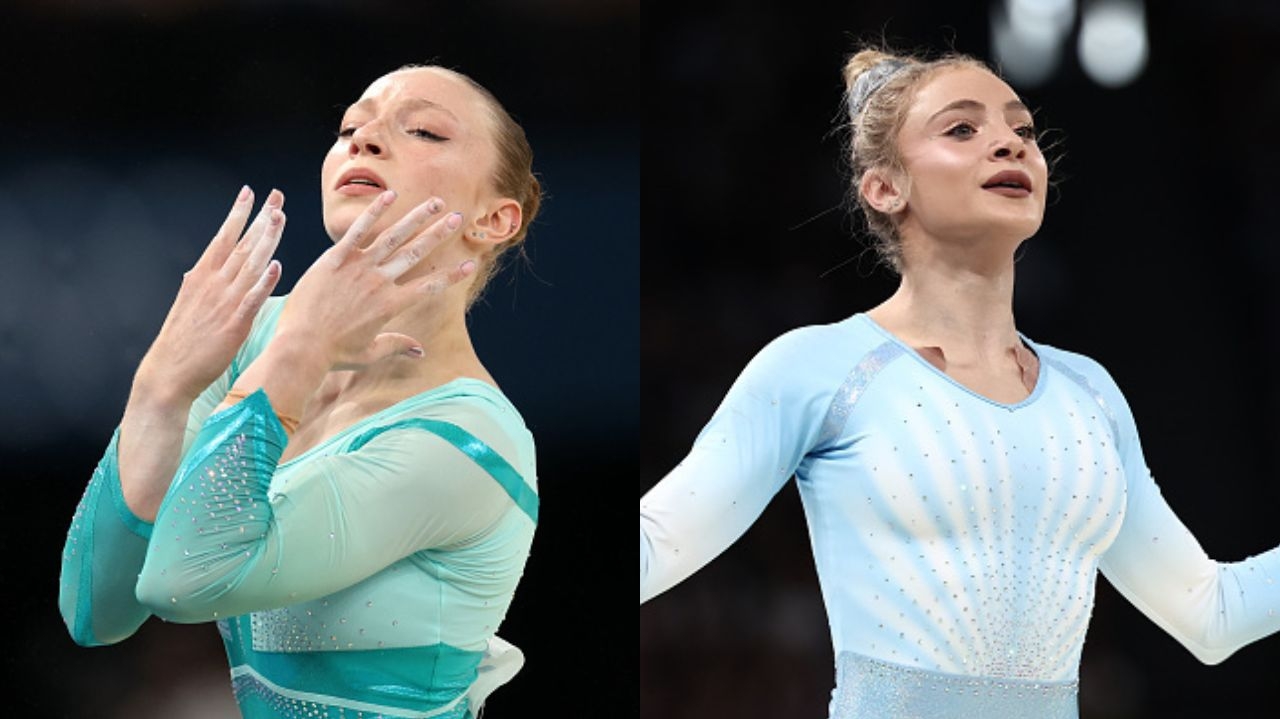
pixel 870 81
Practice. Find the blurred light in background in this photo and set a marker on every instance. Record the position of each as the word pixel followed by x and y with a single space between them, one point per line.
pixel 1113 42
pixel 1028 37
pixel 1027 45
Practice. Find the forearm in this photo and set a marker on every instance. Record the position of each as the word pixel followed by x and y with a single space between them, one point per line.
pixel 102 556
pixel 212 526
pixel 150 446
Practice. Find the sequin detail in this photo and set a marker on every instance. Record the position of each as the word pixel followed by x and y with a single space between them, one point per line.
pixel 852 389
pixel 250 689
pixel 868 688
pixel 1084 383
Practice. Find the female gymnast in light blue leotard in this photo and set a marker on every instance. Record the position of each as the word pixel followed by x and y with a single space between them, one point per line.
pixel 333 476
pixel 963 485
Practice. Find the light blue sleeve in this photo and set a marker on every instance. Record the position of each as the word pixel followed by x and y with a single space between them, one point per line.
pixel 757 438
pixel 1212 608
pixel 222 547
pixel 106 544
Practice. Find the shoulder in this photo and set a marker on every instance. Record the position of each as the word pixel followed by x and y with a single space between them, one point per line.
pixel 473 417
pixel 1079 368
pixel 816 355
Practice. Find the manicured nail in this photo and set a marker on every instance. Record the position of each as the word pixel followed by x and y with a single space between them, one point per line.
pixel 244 194
pixel 467 267
pixel 454 221
pixel 434 205
pixel 388 197
pixel 275 199
pixel 415 352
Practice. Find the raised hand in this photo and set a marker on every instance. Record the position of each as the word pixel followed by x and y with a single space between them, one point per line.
pixel 339 307
pixel 217 302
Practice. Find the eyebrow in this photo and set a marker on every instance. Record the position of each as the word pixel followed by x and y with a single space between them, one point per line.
pixel 975 105
pixel 413 103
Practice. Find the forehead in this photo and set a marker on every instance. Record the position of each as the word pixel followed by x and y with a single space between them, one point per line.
pixel 432 85
pixel 960 83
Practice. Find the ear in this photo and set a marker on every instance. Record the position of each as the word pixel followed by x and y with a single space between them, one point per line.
pixel 883 190
pixel 496 224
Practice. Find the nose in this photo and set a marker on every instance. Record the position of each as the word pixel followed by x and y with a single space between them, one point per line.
pixel 367 139
pixel 1009 144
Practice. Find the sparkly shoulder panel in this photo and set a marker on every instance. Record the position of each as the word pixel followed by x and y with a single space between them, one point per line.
pixel 852 388
pixel 1089 389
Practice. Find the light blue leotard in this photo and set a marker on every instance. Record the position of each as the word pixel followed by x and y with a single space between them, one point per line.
pixel 364 577
pixel 957 539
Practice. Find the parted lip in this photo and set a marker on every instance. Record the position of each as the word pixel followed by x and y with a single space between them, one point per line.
pixel 360 173
pixel 1010 177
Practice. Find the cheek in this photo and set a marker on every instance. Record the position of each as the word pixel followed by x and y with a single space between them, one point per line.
pixel 333 158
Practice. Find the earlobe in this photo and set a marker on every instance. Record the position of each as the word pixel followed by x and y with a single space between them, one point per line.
pixel 499 224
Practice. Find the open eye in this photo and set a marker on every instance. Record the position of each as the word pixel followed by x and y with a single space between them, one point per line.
pixel 1026 132
pixel 347 131
pixel 962 130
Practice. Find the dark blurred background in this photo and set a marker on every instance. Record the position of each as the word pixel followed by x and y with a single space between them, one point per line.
pixel 127 129
pixel 1158 257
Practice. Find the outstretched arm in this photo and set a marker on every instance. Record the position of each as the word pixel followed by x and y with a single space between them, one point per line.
pixel 1213 608
pixel 751 447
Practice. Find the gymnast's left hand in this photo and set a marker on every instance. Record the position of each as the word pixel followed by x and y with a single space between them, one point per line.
pixel 340 306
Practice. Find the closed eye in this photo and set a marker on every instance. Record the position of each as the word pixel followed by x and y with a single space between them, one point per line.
pixel 346 132
pixel 428 135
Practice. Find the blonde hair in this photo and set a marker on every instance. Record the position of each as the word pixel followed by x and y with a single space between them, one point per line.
pixel 512 177
pixel 879 89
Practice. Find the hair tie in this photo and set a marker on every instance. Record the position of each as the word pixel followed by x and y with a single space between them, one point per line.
pixel 870 81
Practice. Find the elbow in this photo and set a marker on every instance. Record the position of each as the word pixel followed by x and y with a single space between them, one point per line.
pixel 170 601
pixel 76 619
pixel 1211 655
pixel 80 633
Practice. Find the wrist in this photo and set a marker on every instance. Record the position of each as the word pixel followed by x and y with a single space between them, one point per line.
pixel 159 398
pixel 288 371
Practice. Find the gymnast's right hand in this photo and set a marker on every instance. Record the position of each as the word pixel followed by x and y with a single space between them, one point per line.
pixel 217 302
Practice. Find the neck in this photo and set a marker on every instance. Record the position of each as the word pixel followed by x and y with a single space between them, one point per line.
pixel 954 301
pixel 441 328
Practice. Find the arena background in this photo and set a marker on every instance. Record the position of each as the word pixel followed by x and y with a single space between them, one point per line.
pixel 1159 256
pixel 129 126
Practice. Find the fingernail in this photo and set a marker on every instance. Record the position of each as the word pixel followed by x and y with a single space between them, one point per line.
pixel 277 217
pixel 415 352
pixel 388 197
pixel 434 205
pixel 275 199
pixel 467 267
pixel 454 221
pixel 244 194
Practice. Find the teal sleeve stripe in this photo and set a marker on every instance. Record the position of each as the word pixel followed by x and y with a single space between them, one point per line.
pixel 482 454
pixel 83 631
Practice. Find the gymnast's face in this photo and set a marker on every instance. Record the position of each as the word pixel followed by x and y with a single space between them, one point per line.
pixel 968 145
pixel 422 132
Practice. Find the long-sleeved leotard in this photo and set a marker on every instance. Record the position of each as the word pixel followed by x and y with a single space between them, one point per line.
pixel 366 575
pixel 957 539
